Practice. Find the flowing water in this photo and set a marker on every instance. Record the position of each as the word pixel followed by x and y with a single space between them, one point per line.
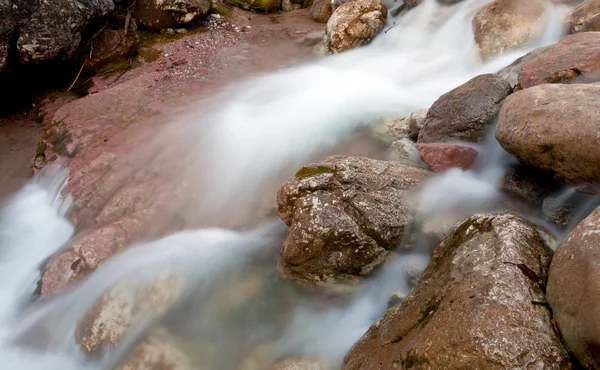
pixel 266 124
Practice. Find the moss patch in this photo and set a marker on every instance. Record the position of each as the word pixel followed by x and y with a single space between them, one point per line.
pixel 308 171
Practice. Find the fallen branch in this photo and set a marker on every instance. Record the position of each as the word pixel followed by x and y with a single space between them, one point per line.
pixel 127 20
pixel 78 74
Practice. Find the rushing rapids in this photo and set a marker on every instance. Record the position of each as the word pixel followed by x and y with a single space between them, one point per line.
pixel 263 127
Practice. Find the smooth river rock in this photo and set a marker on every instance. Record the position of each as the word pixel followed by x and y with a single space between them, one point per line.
pixel 574 287
pixel 584 17
pixel 555 128
pixel 504 25
pixel 574 59
pixel 160 14
pixel 466 112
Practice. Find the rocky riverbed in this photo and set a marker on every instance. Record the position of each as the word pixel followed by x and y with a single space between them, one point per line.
pixel 287 184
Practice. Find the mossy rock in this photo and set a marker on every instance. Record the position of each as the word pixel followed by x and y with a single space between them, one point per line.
pixel 265 6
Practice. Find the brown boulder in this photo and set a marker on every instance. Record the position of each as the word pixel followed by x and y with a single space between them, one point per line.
pixel 581 15
pixel 344 214
pixel 573 290
pixel 441 157
pixel 321 10
pixel 504 25
pixel 160 14
pixel 466 112
pixel 511 72
pixel 354 24
pixel 471 310
pixel 574 59
pixel 554 128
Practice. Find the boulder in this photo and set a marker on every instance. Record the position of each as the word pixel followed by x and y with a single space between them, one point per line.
pixel 403 150
pixel 466 112
pixel 473 308
pixel 574 59
pixel 36 31
pixel 579 18
pixel 354 24
pixel 511 72
pixel 441 157
pixel 160 14
pixel 416 121
pixel 504 25
pixel 321 10
pixel 344 215
pixel 264 6
pixel 391 128
pixel 573 289
pixel 554 128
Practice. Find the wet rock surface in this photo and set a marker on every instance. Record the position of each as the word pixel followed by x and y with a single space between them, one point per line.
pixel 98 135
pixel 573 288
pixel 574 59
pixel 504 25
pixel 353 24
pixel 466 112
pixel 554 128
pixel 344 214
pixel 471 309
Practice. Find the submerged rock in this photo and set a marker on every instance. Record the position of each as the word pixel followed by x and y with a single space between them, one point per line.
pixel 554 128
pixel 403 150
pixel 529 185
pixel 354 24
pixel 582 16
pixel 441 157
pixel 39 31
pixel 574 59
pixel 573 290
pixel 302 363
pixel 391 128
pixel 160 14
pixel 416 121
pixel 471 309
pixel 466 112
pixel 344 214
pixel 504 25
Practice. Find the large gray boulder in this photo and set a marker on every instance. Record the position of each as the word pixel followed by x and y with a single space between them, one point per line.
pixel 39 31
pixel 473 307
pixel 344 215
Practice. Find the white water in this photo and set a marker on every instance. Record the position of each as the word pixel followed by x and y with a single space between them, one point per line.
pixel 266 124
